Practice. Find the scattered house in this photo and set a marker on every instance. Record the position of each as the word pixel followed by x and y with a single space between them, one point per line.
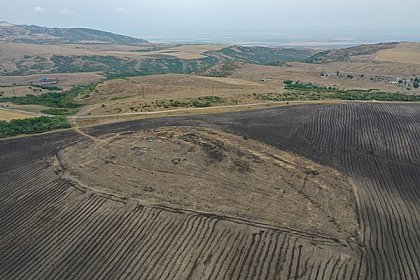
pixel 396 81
pixel 327 75
pixel 265 80
pixel 47 81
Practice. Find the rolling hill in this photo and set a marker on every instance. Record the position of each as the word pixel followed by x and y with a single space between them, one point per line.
pixel 345 54
pixel 261 55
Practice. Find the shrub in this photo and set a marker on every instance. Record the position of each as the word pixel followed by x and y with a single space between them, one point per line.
pixel 32 125
pixel 48 87
pixel 310 91
pixel 52 99
pixel 59 111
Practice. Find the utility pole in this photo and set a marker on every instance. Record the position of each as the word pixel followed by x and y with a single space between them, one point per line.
pixel 142 91
pixel 212 91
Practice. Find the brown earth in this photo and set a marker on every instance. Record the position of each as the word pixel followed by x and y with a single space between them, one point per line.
pixel 210 171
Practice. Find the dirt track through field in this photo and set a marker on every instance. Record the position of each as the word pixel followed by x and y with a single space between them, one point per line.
pixel 51 228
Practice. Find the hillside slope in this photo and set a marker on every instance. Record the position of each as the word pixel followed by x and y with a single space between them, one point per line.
pixel 18 59
pixel 261 55
pixel 345 54
pixel 44 35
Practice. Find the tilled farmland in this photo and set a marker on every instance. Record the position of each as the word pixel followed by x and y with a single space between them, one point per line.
pixel 380 149
pixel 51 227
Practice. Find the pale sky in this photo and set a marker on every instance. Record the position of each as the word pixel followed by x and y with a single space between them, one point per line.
pixel 290 19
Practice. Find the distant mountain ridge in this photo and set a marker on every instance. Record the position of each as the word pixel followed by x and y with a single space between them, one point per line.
pixel 33 34
pixel 335 55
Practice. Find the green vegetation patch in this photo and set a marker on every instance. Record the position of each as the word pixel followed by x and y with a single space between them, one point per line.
pixel 114 67
pixel 48 87
pixel 291 96
pixel 308 91
pixel 59 111
pixel 152 49
pixel 292 85
pixel 299 90
pixel 32 126
pixel 416 82
pixel 118 67
pixel 226 69
pixel 277 63
pixel 200 102
pixel 263 55
pixel 379 96
pixel 53 99
pixel 206 101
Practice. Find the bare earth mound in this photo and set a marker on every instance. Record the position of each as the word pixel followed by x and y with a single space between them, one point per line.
pixel 215 172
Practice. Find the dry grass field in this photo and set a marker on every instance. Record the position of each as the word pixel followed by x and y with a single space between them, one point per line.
pixel 9 91
pixel 10 51
pixel 403 53
pixel 186 51
pixel 31 109
pixel 7 115
pixel 119 96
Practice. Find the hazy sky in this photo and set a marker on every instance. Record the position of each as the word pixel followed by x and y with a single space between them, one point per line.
pixel 289 19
